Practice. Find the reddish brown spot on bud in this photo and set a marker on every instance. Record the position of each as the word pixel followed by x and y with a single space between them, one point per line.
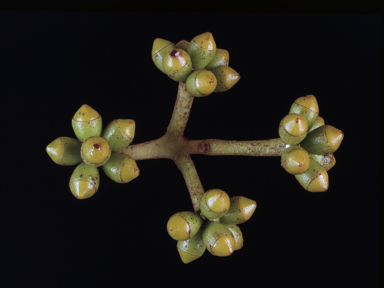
pixel 174 53
pixel 96 146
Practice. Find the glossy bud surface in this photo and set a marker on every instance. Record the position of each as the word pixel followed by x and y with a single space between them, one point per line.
pixel 241 209
pixel 177 64
pixel 64 151
pixel 86 123
pixel 201 83
pixel 183 225
pixel 318 122
pixel 221 58
pixel 95 151
pixel 191 249
pixel 307 107
pixel 226 78
pixel 324 140
pixel 218 239
pixel 293 128
pixel 85 181
pixel 214 203
pixel 119 133
pixel 159 49
pixel 315 179
pixel 121 168
pixel 295 160
pixel 202 49
pixel 237 234
pixel 326 160
pixel 183 44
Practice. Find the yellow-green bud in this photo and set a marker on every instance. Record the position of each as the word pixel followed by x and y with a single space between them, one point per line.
pixel 218 239
pixel 121 168
pixel 159 49
pixel 293 128
pixel 323 140
pixel 214 203
pixel 86 123
pixel 177 65
pixel 318 122
pixel 240 210
pixel 85 181
pixel 226 78
pixel 119 133
pixel 202 49
pixel 315 179
pixel 183 44
pixel 95 151
pixel 326 160
pixel 64 151
pixel 307 107
pixel 221 58
pixel 184 225
pixel 295 160
pixel 201 83
pixel 238 235
pixel 191 249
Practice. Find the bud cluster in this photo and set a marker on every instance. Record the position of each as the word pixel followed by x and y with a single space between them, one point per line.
pixel 95 148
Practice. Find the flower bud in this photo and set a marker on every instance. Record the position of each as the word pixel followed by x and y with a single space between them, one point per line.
pixel 119 133
pixel 221 58
pixel 315 179
pixel 86 123
pixel 95 151
pixel 85 181
pixel 191 249
pixel 226 78
pixel 323 140
pixel 202 49
pixel 239 240
pixel 64 151
pixel 177 65
pixel 218 239
pixel 240 210
pixel 295 160
pixel 214 203
pixel 201 83
pixel 326 160
pixel 121 168
pixel 184 225
pixel 183 44
pixel 293 128
pixel 307 107
pixel 159 49
pixel 318 122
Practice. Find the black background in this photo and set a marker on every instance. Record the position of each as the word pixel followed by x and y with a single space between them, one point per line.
pixel 53 62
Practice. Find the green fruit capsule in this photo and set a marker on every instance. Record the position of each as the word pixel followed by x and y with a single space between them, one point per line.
pixel 307 107
pixel 202 49
pixel 214 203
pixel 177 65
pixel 293 128
pixel 226 78
pixel 85 181
pixel 182 44
pixel 218 239
pixel 221 58
pixel 121 168
pixel 184 225
pixel 326 160
pixel 239 240
pixel 318 122
pixel 191 249
pixel 86 123
pixel 323 140
pixel 201 83
pixel 64 151
pixel 159 49
pixel 295 160
pixel 119 133
pixel 95 151
pixel 315 179
pixel 240 210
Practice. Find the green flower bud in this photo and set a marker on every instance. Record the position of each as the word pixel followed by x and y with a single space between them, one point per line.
pixel 95 151
pixel 177 65
pixel 214 203
pixel 326 160
pixel 183 44
pixel 86 123
pixel 307 107
pixel 121 168
pixel 64 151
pixel 184 225
pixel 202 49
pixel 315 179
pixel 323 140
pixel 159 49
pixel 191 249
pixel 201 83
pixel 239 240
pixel 85 181
pixel 221 58
pixel 318 122
pixel 293 128
pixel 295 160
pixel 218 239
pixel 240 210
pixel 119 133
pixel 226 78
